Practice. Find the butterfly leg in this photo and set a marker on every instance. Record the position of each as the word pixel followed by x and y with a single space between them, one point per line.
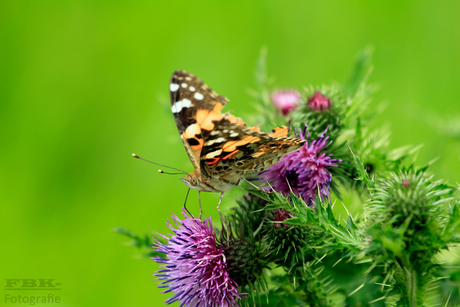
pixel 199 202
pixel 185 203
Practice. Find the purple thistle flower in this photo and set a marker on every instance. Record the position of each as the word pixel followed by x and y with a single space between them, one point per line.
pixel 195 269
pixel 306 170
pixel 285 101
pixel 319 102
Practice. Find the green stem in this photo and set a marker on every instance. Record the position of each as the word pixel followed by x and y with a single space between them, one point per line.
pixel 411 286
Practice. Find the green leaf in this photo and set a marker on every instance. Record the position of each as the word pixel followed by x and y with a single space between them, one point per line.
pixel 144 242
pixel 263 195
pixel 360 72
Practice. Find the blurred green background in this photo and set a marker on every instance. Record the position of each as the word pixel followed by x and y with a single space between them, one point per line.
pixel 80 90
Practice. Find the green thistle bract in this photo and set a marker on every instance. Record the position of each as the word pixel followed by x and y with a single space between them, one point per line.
pixel 288 243
pixel 246 258
pixel 248 214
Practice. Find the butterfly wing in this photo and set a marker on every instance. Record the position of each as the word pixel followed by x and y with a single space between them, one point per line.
pixel 194 106
pixel 233 151
pixel 221 146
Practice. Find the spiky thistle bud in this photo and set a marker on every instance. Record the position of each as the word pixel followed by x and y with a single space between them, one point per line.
pixel 288 243
pixel 319 102
pixel 325 107
pixel 408 200
pixel 246 257
pixel 249 212
pixel 405 231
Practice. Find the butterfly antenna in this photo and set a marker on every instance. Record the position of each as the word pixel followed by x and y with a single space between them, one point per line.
pixel 160 171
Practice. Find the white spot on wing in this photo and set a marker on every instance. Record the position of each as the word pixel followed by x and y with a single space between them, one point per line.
pixel 186 103
pixel 173 87
pixel 179 105
pixel 233 134
pixel 184 85
pixel 198 96
pixel 213 153
pixel 219 140
pixel 192 88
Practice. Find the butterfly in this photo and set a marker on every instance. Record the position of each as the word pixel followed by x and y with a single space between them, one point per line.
pixel 221 148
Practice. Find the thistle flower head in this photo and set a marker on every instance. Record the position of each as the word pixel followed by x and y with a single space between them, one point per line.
pixel 195 268
pixel 319 102
pixel 326 107
pixel 304 171
pixel 285 100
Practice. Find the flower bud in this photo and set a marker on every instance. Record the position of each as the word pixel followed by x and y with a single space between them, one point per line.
pixel 319 102
pixel 286 100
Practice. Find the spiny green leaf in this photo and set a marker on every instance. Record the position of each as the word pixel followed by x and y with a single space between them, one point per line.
pixel 363 176
pixel 263 195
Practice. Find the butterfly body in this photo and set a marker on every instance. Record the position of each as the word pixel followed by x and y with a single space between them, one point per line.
pixel 196 181
pixel 221 147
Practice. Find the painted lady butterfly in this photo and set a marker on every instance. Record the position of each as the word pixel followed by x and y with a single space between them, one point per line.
pixel 221 147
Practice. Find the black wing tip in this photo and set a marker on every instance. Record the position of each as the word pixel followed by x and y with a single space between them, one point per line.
pixel 180 76
pixel 181 73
